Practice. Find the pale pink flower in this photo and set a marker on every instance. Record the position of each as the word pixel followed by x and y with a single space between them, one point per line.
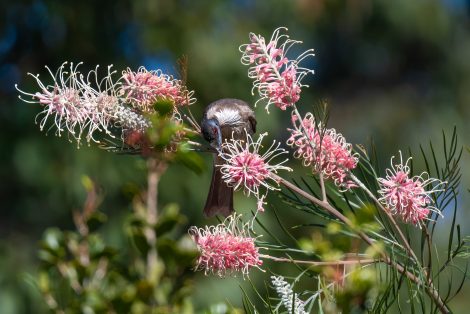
pixel 83 105
pixel 406 196
pixel 61 101
pixel 246 168
pixel 107 108
pixel 143 88
pixel 277 78
pixel 325 150
pixel 226 248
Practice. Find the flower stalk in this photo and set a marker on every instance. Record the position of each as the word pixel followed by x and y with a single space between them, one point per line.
pixel 322 263
pixel 155 170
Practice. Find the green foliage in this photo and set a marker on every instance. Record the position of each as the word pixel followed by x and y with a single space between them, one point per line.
pixel 357 293
pixel 164 107
pixel 81 273
pixel 189 159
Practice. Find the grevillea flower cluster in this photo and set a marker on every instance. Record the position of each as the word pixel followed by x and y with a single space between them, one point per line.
pixel 408 197
pixel 226 248
pixel 289 299
pixel 143 88
pixel 245 168
pixel 85 104
pixel 277 78
pixel 325 150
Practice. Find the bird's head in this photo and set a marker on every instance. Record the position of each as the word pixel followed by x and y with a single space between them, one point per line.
pixel 211 131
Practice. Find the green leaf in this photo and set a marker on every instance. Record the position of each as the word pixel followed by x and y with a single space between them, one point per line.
pixel 47 257
pixel 52 246
pixel 169 219
pixel 191 160
pixel 43 281
pixel 96 220
pixel 144 290
pixel 96 245
pixel 139 240
pixel 135 222
pixel 161 133
pixel 167 248
pixel 175 253
pixel 164 107
pixel 53 239
pixel 87 183
pixel 166 134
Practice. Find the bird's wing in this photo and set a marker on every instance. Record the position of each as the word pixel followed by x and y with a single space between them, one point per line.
pixel 252 121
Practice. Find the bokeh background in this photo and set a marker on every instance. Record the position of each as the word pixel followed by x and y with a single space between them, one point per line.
pixel 397 72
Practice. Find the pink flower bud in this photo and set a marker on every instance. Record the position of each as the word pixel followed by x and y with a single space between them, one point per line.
pixel 324 149
pixel 225 248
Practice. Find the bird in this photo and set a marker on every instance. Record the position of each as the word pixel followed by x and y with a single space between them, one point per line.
pixel 224 119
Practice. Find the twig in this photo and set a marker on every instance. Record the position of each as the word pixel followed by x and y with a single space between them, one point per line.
pixel 188 130
pixel 190 118
pixel 322 185
pixel 153 178
pixel 313 263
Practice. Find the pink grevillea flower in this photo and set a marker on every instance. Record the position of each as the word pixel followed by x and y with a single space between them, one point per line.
pixel 277 78
pixel 83 105
pixel 226 248
pixel 325 150
pixel 143 88
pixel 102 95
pixel 408 197
pixel 61 101
pixel 245 168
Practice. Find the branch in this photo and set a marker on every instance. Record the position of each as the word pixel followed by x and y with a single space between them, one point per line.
pixel 155 170
pixel 332 263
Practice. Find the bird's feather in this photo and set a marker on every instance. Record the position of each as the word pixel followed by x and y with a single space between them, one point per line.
pixel 234 118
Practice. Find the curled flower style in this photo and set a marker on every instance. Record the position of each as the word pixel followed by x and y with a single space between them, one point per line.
pixel 277 78
pixel 106 109
pixel 61 101
pixel 289 299
pixel 143 88
pixel 226 248
pixel 83 105
pixel 324 149
pixel 245 168
pixel 408 197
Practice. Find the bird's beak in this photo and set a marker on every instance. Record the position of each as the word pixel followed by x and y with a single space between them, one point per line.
pixel 219 141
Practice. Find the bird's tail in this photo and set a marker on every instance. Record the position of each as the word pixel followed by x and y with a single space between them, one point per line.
pixel 220 197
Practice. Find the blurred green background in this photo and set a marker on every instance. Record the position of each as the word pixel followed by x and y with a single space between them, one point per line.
pixel 395 71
